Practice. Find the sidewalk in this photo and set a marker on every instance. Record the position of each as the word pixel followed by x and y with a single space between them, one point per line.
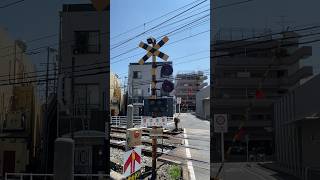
pixel 282 172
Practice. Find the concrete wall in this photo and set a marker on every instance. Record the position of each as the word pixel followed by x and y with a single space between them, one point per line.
pixel 297 139
pixel 203 105
pixel 311 143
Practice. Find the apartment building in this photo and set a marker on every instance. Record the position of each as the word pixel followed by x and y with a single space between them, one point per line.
pixel 187 84
pixel 115 95
pixel 20 113
pixel 139 87
pixel 249 76
pixel 83 88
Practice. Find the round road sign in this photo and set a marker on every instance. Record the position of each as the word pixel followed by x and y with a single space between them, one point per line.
pixel 220 120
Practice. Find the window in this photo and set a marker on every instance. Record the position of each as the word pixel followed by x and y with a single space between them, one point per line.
pixel 280 74
pixel 137 75
pixel 137 92
pixel 87 42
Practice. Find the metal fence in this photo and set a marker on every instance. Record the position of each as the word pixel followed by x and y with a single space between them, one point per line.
pixel 122 120
pixel 30 176
pixel 312 173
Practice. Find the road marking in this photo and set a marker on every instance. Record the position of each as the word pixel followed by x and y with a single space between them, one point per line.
pixel 189 163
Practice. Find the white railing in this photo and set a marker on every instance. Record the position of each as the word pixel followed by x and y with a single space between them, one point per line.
pixel 30 176
pixel 122 120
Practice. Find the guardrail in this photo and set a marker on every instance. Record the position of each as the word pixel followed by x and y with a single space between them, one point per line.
pixel 30 176
pixel 122 120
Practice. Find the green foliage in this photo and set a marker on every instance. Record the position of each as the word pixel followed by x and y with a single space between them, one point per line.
pixel 175 172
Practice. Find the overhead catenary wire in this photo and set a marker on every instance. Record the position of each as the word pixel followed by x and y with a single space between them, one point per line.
pixel 223 6
pixel 11 4
pixel 163 22
pixel 175 10
pixel 140 34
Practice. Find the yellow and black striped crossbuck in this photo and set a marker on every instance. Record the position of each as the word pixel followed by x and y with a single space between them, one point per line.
pixel 153 50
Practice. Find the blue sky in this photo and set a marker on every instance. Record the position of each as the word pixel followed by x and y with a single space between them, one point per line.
pixel 191 53
pixel 32 19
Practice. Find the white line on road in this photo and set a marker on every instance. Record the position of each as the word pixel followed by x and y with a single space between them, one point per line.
pixel 189 163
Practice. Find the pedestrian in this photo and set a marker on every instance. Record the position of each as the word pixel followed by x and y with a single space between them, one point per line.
pixel 176 121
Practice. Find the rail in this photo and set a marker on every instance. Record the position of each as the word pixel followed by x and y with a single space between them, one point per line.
pixel 30 176
pixel 122 120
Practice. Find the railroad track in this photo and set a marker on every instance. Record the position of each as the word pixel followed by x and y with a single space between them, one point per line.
pixel 144 142
pixel 146 131
pixel 145 151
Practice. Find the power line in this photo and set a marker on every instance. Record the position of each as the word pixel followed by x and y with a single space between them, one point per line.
pixel 129 30
pixel 167 44
pixel 11 4
pixel 140 34
pixel 223 6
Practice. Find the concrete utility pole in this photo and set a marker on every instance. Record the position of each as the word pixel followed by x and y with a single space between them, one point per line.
pixel 130 116
pixel 154 128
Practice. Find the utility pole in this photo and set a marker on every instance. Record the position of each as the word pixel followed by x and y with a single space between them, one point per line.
pixel 72 99
pixel 46 113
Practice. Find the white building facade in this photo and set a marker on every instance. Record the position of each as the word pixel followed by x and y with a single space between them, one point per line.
pixel 139 84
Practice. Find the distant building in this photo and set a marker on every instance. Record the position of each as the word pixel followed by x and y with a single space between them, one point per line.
pixel 297 135
pixel 250 75
pixel 187 84
pixel 203 103
pixel 139 86
pixel 115 95
pixel 83 93
pixel 20 112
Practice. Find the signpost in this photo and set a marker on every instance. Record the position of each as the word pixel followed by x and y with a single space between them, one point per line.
pixel 179 102
pixel 167 86
pixel 156 132
pixel 132 162
pixel 221 126
pixel 157 121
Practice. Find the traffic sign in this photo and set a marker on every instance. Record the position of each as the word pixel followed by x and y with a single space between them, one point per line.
pixel 153 50
pixel 220 123
pixel 178 100
pixel 157 121
pixel 132 162
pixel 134 137
pixel 156 132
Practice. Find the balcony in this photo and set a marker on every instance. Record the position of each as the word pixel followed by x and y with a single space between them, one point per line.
pixel 300 53
pixel 285 82
pixel 250 123
pixel 136 100
pixel 241 103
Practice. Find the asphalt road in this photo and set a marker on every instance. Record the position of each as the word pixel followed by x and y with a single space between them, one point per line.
pixel 197 134
pixel 197 145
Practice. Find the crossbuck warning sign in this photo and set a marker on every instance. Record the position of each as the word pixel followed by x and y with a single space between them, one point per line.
pixel 153 50
pixel 132 161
